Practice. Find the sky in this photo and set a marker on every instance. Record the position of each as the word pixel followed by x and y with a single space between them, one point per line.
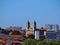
pixel 17 12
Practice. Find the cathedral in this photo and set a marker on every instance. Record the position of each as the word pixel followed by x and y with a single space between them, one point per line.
pixel 30 30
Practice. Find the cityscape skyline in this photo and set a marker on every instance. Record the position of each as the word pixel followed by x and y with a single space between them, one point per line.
pixel 16 13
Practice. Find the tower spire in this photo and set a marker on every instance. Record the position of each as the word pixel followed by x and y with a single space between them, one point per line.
pixel 27 24
pixel 34 25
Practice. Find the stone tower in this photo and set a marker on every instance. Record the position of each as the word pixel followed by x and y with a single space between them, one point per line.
pixel 30 30
pixel 34 25
pixel 27 25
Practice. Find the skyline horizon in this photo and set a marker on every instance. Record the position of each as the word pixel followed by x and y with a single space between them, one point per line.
pixel 30 25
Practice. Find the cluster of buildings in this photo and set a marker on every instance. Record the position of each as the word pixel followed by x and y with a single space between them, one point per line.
pixel 11 35
pixel 17 35
pixel 50 31
pixel 53 32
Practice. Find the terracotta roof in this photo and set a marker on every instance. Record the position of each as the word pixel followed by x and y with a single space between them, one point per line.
pixel 2 41
pixel 16 42
pixel 16 36
pixel 44 29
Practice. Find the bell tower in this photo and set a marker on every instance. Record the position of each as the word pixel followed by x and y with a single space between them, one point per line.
pixel 34 25
pixel 27 25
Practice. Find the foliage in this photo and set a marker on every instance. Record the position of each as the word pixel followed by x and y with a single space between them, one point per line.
pixel 30 42
pixel 40 42
pixel 57 43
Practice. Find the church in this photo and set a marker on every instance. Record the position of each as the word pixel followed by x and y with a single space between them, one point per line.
pixel 37 32
pixel 30 30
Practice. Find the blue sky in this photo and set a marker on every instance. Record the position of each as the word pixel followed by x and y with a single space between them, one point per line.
pixel 17 12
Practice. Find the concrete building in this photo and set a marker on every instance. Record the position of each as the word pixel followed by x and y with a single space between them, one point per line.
pixel 53 32
pixel 40 33
pixel 51 35
pixel 52 27
pixel 37 34
pixel 58 35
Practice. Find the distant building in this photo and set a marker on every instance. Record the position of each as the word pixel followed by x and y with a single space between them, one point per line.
pixel 51 35
pixel 58 35
pixel 52 27
pixel 53 32
pixel 13 28
pixel 30 30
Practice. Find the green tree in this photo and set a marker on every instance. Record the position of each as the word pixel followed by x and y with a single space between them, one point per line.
pixel 57 43
pixel 30 42
pixel 40 43
pixel 48 42
pixel 45 42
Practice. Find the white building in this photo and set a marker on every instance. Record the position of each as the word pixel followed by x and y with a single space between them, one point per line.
pixel 37 34
pixel 40 33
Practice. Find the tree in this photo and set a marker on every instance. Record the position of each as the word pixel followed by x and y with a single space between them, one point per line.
pixel 45 42
pixel 57 43
pixel 48 42
pixel 30 42
pixel 40 43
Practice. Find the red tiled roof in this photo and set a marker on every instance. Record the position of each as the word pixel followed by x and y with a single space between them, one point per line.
pixel 2 41
pixel 16 41
pixel 44 29
pixel 16 36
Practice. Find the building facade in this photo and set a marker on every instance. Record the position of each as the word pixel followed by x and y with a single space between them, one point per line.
pixel 40 33
pixel 52 27
pixel 53 32
pixel 30 30
pixel 51 35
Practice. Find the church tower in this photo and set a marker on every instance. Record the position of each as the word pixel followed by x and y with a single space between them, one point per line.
pixel 34 25
pixel 29 30
pixel 27 25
